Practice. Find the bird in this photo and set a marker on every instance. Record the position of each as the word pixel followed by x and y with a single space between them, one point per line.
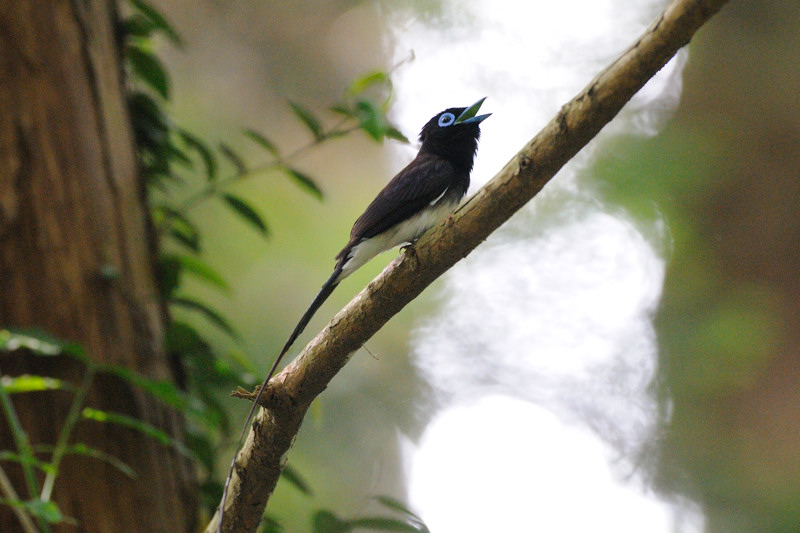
pixel 420 196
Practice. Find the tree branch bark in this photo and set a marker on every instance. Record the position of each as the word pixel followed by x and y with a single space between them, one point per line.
pixel 291 392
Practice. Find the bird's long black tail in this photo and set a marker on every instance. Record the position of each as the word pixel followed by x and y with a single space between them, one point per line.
pixel 322 295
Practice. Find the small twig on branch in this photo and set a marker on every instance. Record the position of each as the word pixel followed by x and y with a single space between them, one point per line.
pixel 290 393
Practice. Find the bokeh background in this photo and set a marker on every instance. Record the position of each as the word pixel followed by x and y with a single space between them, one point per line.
pixel 622 356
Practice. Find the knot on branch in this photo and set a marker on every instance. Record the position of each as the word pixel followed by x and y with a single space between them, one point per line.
pixel 561 119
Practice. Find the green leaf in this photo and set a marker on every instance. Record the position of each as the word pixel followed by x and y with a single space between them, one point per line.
pixel 268 524
pixel 246 212
pixel 31 383
pixel 343 110
pixel 327 522
pixel 44 466
pixel 149 69
pixel 393 133
pixel 234 158
pixel 47 511
pixel 305 181
pixel 162 390
pixel 201 361
pixel 138 26
pixel 383 524
pixel 87 451
pixel 168 275
pixel 400 507
pixel 12 341
pixel 263 141
pixel 186 235
pixel 150 125
pixel 371 119
pixel 291 475
pixel 309 119
pixel 209 313
pixel 39 343
pixel 199 268
pixel 209 161
pixel 360 84
pixel 179 156
pixel 202 270
pixel 180 227
pixel 395 505
pixel 157 19
pixel 181 338
pixel 108 417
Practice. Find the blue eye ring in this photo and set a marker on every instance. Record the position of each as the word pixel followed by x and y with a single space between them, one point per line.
pixel 446 119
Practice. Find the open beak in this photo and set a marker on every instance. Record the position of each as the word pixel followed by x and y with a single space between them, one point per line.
pixel 468 116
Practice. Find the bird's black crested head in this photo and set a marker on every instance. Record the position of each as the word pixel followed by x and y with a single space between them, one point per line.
pixel 453 135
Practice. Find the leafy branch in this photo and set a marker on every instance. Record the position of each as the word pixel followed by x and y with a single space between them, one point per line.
pixel 357 112
pixel 38 506
pixel 162 144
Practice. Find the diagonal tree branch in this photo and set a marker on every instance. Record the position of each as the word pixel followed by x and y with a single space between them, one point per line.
pixel 291 392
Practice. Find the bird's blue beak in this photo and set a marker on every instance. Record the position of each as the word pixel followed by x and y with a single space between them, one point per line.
pixel 468 116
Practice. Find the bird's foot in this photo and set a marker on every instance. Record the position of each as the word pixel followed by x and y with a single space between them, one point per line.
pixel 408 250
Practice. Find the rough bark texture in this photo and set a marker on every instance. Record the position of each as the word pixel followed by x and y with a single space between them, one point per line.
pixel 291 392
pixel 71 205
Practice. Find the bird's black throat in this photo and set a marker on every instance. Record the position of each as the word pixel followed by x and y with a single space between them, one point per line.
pixel 457 144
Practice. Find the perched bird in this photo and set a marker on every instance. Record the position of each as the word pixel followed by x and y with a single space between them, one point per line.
pixel 415 200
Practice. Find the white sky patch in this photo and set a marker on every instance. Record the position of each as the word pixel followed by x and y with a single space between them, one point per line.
pixel 475 471
pixel 560 317
pixel 553 312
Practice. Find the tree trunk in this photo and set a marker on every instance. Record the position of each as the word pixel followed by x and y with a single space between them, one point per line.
pixel 72 207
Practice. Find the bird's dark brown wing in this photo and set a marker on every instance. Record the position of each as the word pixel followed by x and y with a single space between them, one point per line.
pixel 420 183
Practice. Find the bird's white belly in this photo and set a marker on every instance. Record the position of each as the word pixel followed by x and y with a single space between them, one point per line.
pixel 403 233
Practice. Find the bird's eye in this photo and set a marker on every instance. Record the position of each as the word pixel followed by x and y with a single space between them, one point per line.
pixel 446 119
